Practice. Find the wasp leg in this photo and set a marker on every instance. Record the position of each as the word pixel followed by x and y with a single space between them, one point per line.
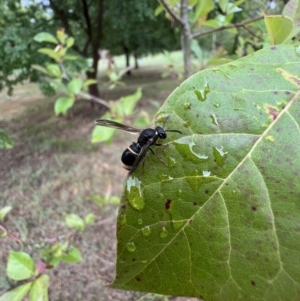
pixel 161 160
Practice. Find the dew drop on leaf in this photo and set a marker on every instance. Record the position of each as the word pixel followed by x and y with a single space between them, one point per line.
pixel 214 119
pixel 164 232
pixel 206 173
pixel 219 155
pixel 122 219
pixel 134 193
pixel 131 247
pixel 146 231
pixel 187 105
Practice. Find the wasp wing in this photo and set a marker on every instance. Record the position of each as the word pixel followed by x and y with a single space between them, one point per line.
pixel 141 156
pixel 116 125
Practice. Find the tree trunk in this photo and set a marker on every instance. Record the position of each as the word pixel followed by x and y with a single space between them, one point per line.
pixel 186 39
pixel 136 63
pixel 127 55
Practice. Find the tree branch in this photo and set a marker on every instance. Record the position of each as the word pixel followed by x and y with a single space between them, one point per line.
pixel 171 12
pixel 236 25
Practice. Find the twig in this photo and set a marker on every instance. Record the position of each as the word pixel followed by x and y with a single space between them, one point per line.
pixel 236 25
pixel 251 32
pixel 171 12
pixel 94 99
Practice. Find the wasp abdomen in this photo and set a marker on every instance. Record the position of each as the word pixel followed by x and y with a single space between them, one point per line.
pixel 129 155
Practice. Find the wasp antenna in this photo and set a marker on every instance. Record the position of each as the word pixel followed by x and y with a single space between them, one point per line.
pixel 174 131
pixel 165 121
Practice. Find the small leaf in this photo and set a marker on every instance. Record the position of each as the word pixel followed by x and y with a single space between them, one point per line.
pixel 279 28
pixel 75 221
pixel 74 86
pixel 90 218
pixel 89 82
pixel 45 37
pixel 102 134
pixel 20 266
pixel 73 256
pixel 54 70
pixel 127 103
pixel 4 211
pixel 203 8
pixel 70 42
pixel 60 33
pixel 71 57
pixel 50 52
pixel 5 139
pixel 16 294
pixel 39 289
pixel 40 68
pixel 63 104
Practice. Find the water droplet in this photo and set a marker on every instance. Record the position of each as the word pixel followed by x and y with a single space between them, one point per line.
pixel 140 221
pixel 187 105
pixel 216 105
pixel 131 247
pixel 219 155
pixel 146 231
pixel 214 119
pixel 122 219
pixel 202 93
pixel 171 162
pixel 206 173
pixel 134 193
pixel 186 124
pixel 270 138
pixel 164 232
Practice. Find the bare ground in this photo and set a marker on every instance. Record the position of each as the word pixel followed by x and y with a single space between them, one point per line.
pixel 52 170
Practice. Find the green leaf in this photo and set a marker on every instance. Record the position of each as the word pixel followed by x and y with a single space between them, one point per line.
pixel 63 104
pixel 73 256
pixel 279 28
pixel 220 219
pixel 45 37
pixel 5 139
pixel 89 82
pixel 39 289
pixel 195 47
pixel 128 103
pixel 70 42
pixel 74 221
pixel 54 70
pixel 16 294
pixel 71 57
pixel 20 266
pixel 89 218
pixel 50 52
pixel 223 5
pixel 74 86
pixel 203 8
pixel 102 134
pixel 4 211
pixel 40 68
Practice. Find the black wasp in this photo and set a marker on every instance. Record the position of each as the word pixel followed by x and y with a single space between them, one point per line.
pixel 135 153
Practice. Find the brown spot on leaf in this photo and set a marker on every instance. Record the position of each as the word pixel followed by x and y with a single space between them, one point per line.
pixel 138 279
pixel 272 111
pixel 254 208
pixel 253 283
pixel 168 204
